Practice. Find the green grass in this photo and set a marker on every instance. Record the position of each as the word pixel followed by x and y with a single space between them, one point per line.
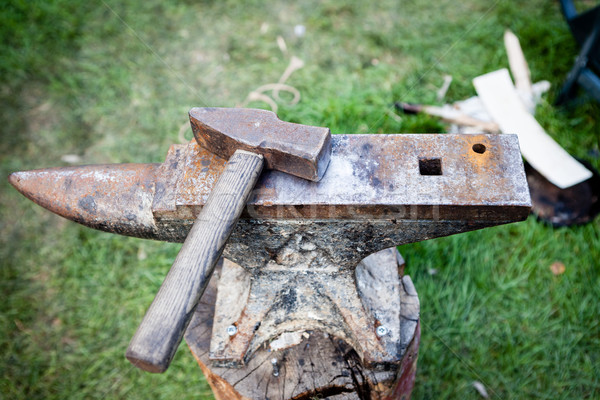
pixel 112 82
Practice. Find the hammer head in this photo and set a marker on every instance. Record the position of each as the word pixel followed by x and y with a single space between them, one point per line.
pixel 296 149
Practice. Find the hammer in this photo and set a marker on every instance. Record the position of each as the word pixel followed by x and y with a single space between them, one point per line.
pixel 249 139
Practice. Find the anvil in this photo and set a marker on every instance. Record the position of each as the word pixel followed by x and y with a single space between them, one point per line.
pixel 299 242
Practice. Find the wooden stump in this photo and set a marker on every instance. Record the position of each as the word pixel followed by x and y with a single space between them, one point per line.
pixel 321 366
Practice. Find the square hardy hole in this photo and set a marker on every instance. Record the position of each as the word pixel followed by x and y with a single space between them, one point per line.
pixel 430 166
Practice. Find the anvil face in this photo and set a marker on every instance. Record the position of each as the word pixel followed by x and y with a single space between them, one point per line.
pixel 381 176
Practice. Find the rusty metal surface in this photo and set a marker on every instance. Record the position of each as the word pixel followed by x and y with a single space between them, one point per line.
pixel 370 177
pixel 378 176
pixel 300 150
pixel 114 198
pixel 373 196
pixel 379 191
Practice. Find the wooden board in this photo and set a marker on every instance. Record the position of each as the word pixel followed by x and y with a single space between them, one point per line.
pixel 502 101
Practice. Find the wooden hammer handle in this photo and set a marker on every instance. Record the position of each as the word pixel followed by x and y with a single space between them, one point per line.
pixel 158 336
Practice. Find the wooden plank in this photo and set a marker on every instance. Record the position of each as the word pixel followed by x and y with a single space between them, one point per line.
pixel 502 101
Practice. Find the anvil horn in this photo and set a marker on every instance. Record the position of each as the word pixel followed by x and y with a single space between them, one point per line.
pixel 114 197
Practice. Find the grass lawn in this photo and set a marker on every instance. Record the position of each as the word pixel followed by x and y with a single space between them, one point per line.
pixel 112 81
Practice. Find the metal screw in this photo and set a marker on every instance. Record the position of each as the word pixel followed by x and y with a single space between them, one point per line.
pixel 382 330
pixel 275 367
pixel 231 330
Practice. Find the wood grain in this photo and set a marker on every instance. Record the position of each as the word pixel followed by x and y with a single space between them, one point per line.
pixel 158 336
pixel 321 366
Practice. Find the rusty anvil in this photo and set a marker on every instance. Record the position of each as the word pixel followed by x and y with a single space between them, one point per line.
pixel 299 242
pixel 250 139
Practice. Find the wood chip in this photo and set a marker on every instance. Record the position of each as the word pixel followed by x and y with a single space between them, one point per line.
pixel 72 158
pixel 480 389
pixel 441 93
pixel 557 268
pixel 285 340
pixel 281 44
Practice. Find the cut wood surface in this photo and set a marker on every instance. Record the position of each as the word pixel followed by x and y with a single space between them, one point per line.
pixel 320 366
pixel 502 101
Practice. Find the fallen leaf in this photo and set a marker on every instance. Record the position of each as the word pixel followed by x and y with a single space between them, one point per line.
pixel 557 268
pixel 480 389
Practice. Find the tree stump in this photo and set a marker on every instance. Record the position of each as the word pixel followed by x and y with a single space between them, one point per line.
pixel 320 366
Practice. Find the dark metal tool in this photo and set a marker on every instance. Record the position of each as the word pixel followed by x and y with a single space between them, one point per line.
pixel 249 139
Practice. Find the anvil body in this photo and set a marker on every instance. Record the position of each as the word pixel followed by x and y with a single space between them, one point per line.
pixel 379 191
pixel 373 188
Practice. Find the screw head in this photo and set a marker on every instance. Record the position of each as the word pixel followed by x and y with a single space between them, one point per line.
pixel 382 330
pixel 231 330
pixel 275 367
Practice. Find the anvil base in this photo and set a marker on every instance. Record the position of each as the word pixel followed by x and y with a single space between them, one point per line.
pixel 321 364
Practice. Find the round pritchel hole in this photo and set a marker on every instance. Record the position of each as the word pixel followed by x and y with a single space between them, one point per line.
pixel 479 148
